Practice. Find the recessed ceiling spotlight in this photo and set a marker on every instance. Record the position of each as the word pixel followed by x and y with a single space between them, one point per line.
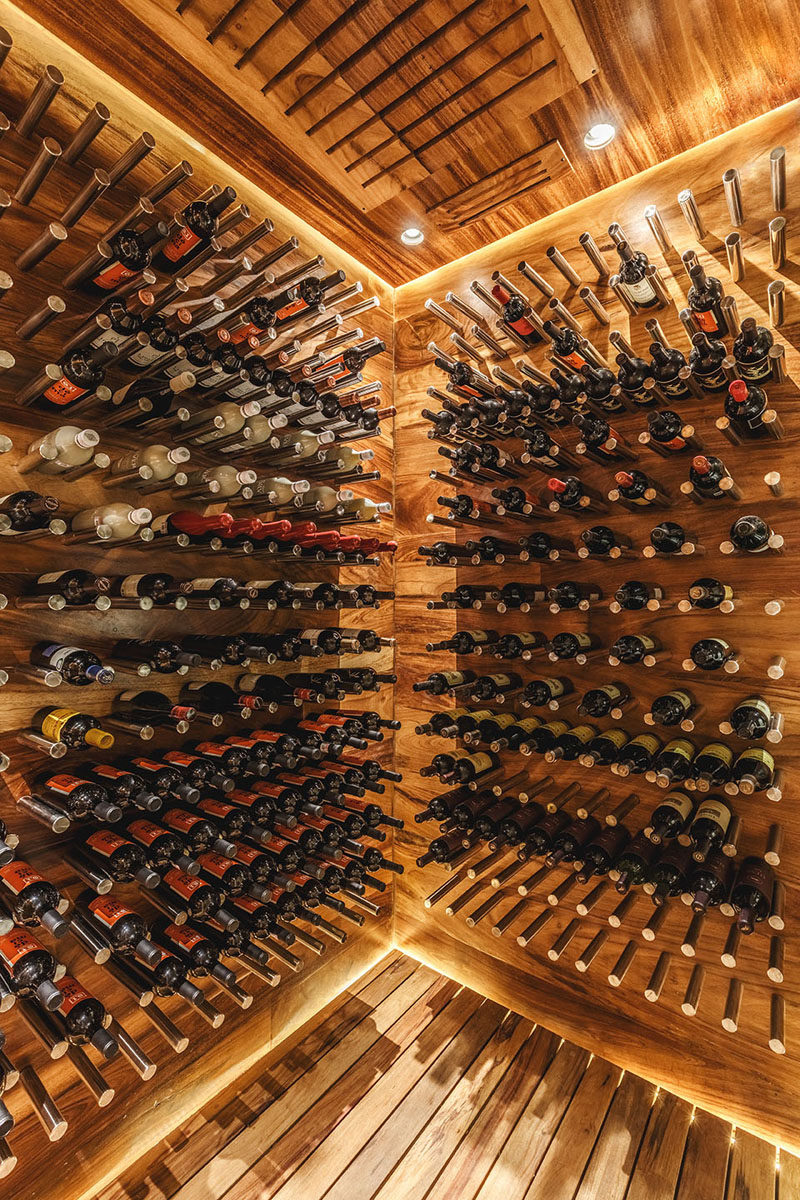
pixel 412 236
pixel 599 136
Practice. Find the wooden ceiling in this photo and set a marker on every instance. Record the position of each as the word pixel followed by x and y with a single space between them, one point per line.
pixel 464 117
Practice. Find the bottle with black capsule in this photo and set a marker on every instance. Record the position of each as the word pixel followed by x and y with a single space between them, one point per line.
pixel 754 771
pixel 633 648
pixel 709 882
pixel 602 851
pixel 568 843
pixel 704 300
pixel 635 596
pixel 606 700
pixel 566 344
pixel 670 817
pixel 751 349
pixel 667 431
pixel 668 537
pixel 706 360
pixel 567 646
pixel 751 720
pixel 571 594
pixel 708 828
pixel 712 654
pixel 605 748
pixel 708 593
pixel 712 766
pixel 571 743
pixel 671 709
pixel 751 895
pixel 666 367
pixel 673 763
pixel 751 534
pixel 123 928
pixel 638 755
pixel 547 692
pixel 602 389
pixel 34 900
pixel 636 381
pixel 668 875
pixel 601 541
pixel 633 863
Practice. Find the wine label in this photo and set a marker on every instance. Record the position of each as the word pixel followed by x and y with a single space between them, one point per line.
pixel 64 783
pixel 642 292
pixel 713 810
pixel 757 755
pixel 504 720
pixel 677 802
pixel 215 808
pixel 53 577
pixel 108 772
pixel 187 939
pixel 647 742
pixel 755 873
pixel 248 854
pixel 274 790
pixel 182 241
pixel 574 359
pixel 289 310
pixel 246 904
pixel 501 681
pixel 706 321
pixel 617 737
pixel 528 725
pixel 176 818
pixel 57 655
pixel 72 994
pixel 680 747
pixel 18 875
pixel 64 392
pixel 180 758
pixel 673 387
pixel 751 372
pixel 109 911
pixel 480 762
pixel 113 275
pixel 719 751
pixel 185 886
pixel 145 355
pixel 104 842
pixel 109 335
pixel 214 864
pixel 452 678
pixel 211 749
pixel 583 733
pixel 147 764
pixel 145 832
pixel 16 945
pixel 243 799
pixel 55 720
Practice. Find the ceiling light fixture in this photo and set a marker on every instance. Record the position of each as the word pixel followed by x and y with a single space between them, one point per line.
pixel 412 236
pixel 599 136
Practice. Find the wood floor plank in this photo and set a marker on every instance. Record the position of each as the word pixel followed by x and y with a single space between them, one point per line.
pixel 434 1148
pixel 613 1159
pixel 472 1160
pixel 563 1164
pixel 661 1151
pixel 248 1146
pixel 190 1147
pixel 789 1176
pixel 705 1162
pixel 390 1141
pixel 752 1169
pixel 528 1142
pixel 354 1123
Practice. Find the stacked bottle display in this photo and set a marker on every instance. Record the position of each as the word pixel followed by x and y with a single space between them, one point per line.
pixel 198 546
pixel 590 559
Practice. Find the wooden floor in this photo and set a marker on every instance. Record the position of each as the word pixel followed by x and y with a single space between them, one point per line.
pixel 410 1087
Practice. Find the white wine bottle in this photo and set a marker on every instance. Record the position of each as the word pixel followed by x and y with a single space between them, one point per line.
pixel 155 462
pixel 61 449
pixel 112 522
pixel 221 482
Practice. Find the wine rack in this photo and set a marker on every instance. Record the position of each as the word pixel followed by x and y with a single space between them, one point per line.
pixel 39 314
pixel 599 971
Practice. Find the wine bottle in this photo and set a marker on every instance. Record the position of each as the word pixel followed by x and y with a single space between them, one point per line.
pixel 633 278
pixel 569 594
pixel 638 755
pixel 543 737
pixel 705 302
pixel 461 766
pixel 117 924
pixel 75 589
pixel 572 742
pixel 634 596
pixel 153 589
pixel 668 537
pixel 672 764
pixel 60 450
pixel 751 535
pixel 712 766
pixel 197 225
pixel 28 968
pixel 707 593
pixel 444 681
pixel 26 511
pixel 109 856
pixel 161 847
pixel 519 596
pixel 566 646
pixel 634 648
pixel 636 487
pixel 570 493
pixel 709 882
pixel 710 478
pixel 157 463
pixel 601 541
pixel 76 666
pixel 602 851
pixel 516 311
pixel 466 641
pixel 670 817
pixel 751 894
pixel 668 875
pixel 668 367
pixel 745 406
pixel 514 733
pixel 712 654
pixel 668 431
pixel 705 360
pixel 566 344
pixel 153 708
pixel 604 748
pixel 114 522
pixel 144 403
pixel 131 253
pixel 635 380
pixel 539 838
pixel 751 349
pixel 670 709
pixel 568 843
pixel 633 863
pixel 79 797
pixel 751 720
pixel 708 828
pixel 607 700
pixel 754 771
pixel 34 899
pixel 74 729
pixel 83 372
pixel 541 693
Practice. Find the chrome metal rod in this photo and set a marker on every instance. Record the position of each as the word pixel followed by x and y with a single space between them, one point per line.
pixel 732 186
pixel 622 295
pixel 561 264
pixel 89 1074
pixel 169 181
pixel 93 123
pixel 733 249
pixel 566 316
pixel 692 213
pixel 44 1105
pixel 232 218
pixel 89 265
pixel 594 305
pixel 775 298
pixel 53 307
pixel 659 287
pixel 42 96
pixel 141 1063
pixel 777 177
pixel 259 231
pixel 37 172
pixel 51 236
pixel 143 209
pixel 538 281
pixel 731 311
pixel 594 255
pixel 777 242
pixel 658 229
pixel 777 360
pixel 95 185
pixel 131 157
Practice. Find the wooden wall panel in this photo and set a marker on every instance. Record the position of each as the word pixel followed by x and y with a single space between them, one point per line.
pixel 100 1142
pixel 734 1074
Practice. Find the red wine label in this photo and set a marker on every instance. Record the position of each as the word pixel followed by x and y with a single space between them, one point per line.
pixel 180 759
pixel 211 749
pixel 575 360
pixel 182 884
pixel 187 939
pixel 113 275
pixel 104 842
pixel 108 772
pixel 269 789
pixel 181 242
pixel 314 822
pixel 522 326
pixel 243 799
pixel 299 780
pixel 247 854
pixel 289 310
pixel 245 332
pixel 706 321
pixel 64 783
pixel 245 904
pixel 72 993
pixel 145 832
pixel 245 743
pixel 275 844
pixel 181 712
pixel 18 875
pixel 215 808
pixel 109 911
pixel 176 818
pixel 214 864
pixel 64 392
pixel 16 944
pixel 147 764
pixel 265 735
